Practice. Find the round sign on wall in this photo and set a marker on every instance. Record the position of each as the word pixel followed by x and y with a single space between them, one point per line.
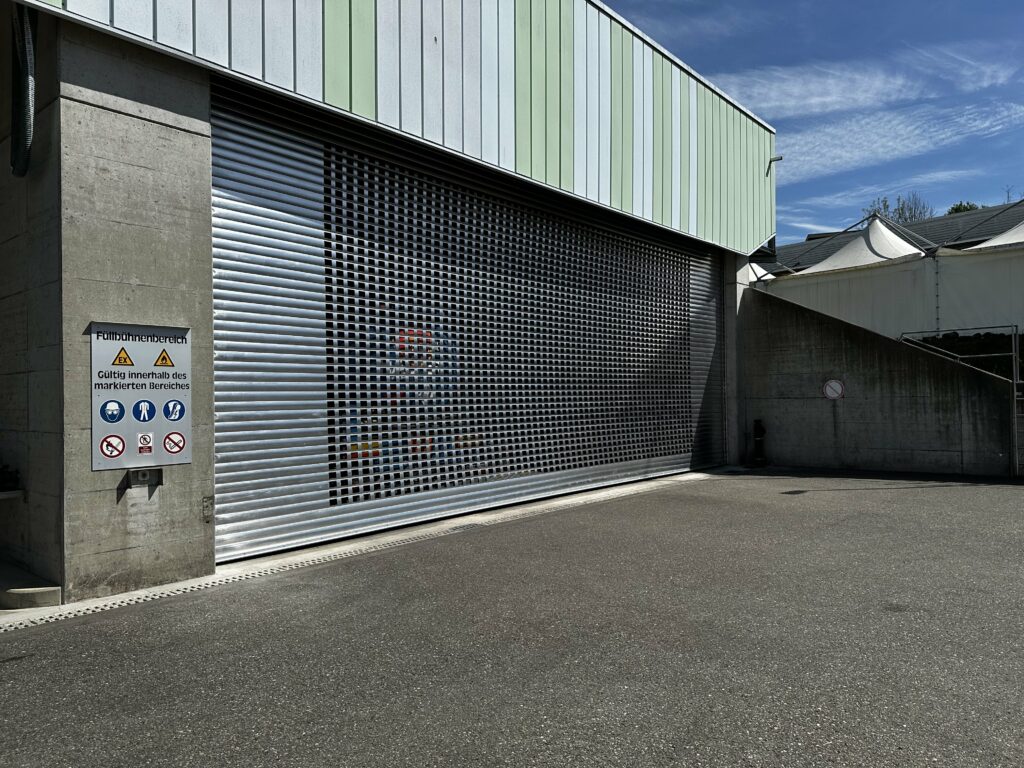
pixel 833 389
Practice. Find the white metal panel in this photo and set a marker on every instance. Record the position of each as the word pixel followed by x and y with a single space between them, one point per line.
pixel 97 10
pixel 174 24
pixel 638 127
pixel 471 77
pixel 593 103
pixel 579 96
pixel 247 37
pixel 212 35
pixel 604 194
pixel 692 226
pixel 489 110
pixel 309 48
pixel 279 43
pixel 135 17
pixel 677 157
pixel 648 132
pixel 453 120
pixel 411 75
pixel 388 63
pixel 507 84
pixel 433 71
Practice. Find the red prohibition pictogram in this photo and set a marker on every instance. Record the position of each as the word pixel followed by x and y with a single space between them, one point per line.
pixel 112 446
pixel 174 442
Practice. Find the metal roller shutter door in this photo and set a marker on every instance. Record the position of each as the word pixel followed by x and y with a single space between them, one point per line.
pixel 393 346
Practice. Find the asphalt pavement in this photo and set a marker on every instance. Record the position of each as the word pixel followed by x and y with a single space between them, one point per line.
pixel 742 620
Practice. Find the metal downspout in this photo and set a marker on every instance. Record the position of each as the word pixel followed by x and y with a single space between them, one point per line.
pixel 23 90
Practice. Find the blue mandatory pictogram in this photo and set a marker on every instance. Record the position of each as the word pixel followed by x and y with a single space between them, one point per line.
pixel 112 411
pixel 144 411
pixel 174 410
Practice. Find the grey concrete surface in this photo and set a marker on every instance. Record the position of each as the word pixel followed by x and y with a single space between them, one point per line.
pixel 904 409
pixel 738 621
pixel 136 244
pixel 31 403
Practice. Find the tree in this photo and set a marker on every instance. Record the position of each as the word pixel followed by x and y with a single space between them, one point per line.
pixel 907 210
pixel 962 207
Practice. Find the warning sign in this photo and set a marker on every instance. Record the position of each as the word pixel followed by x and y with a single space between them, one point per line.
pixel 142 383
pixel 174 442
pixel 123 358
pixel 163 360
pixel 112 446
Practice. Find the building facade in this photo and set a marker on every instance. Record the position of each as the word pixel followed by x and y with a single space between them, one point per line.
pixel 430 257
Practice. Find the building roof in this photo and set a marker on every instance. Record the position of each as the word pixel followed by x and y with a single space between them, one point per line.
pixel 1013 236
pixel 958 229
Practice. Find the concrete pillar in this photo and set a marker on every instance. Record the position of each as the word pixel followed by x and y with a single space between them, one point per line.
pixel 31 403
pixel 736 282
pixel 135 189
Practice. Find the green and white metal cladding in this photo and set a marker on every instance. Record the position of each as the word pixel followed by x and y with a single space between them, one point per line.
pixel 561 91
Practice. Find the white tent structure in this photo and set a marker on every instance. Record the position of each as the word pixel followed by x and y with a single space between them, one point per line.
pixel 1013 236
pixel 876 243
pixel 760 273
pixel 883 283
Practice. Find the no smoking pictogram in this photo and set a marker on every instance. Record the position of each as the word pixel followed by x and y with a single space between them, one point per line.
pixel 112 446
pixel 174 442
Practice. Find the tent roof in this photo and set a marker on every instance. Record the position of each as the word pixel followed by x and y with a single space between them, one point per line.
pixel 1014 236
pixel 874 243
pixel 954 230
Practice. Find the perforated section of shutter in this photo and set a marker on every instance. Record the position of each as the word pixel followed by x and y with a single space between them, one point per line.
pixel 392 345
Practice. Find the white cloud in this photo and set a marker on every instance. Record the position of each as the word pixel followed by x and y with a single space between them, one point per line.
pixel 866 140
pixel 906 76
pixel 860 196
pixel 967 67
pixel 817 89
pixel 674 25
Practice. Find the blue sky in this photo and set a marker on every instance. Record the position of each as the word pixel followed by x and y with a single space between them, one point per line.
pixel 868 98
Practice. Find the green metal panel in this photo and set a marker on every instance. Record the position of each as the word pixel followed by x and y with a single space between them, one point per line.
pixel 659 157
pixel 616 86
pixel 524 157
pixel 684 152
pixel 567 148
pixel 702 163
pixel 729 238
pixel 666 142
pixel 744 188
pixel 627 119
pixel 337 53
pixel 752 236
pixel 538 86
pixel 720 137
pixel 364 58
pixel 704 104
pixel 552 87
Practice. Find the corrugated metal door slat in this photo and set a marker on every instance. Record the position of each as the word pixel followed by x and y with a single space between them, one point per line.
pixel 392 346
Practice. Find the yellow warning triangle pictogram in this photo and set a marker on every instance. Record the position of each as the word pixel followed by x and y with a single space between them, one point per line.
pixel 122 358
pixel 164 360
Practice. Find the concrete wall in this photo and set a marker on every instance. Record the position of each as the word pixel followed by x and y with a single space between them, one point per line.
pixel 135 189
pixel 31 413
pixel 904 410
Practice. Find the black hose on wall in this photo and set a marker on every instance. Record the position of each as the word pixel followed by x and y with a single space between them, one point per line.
pixel 23 90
